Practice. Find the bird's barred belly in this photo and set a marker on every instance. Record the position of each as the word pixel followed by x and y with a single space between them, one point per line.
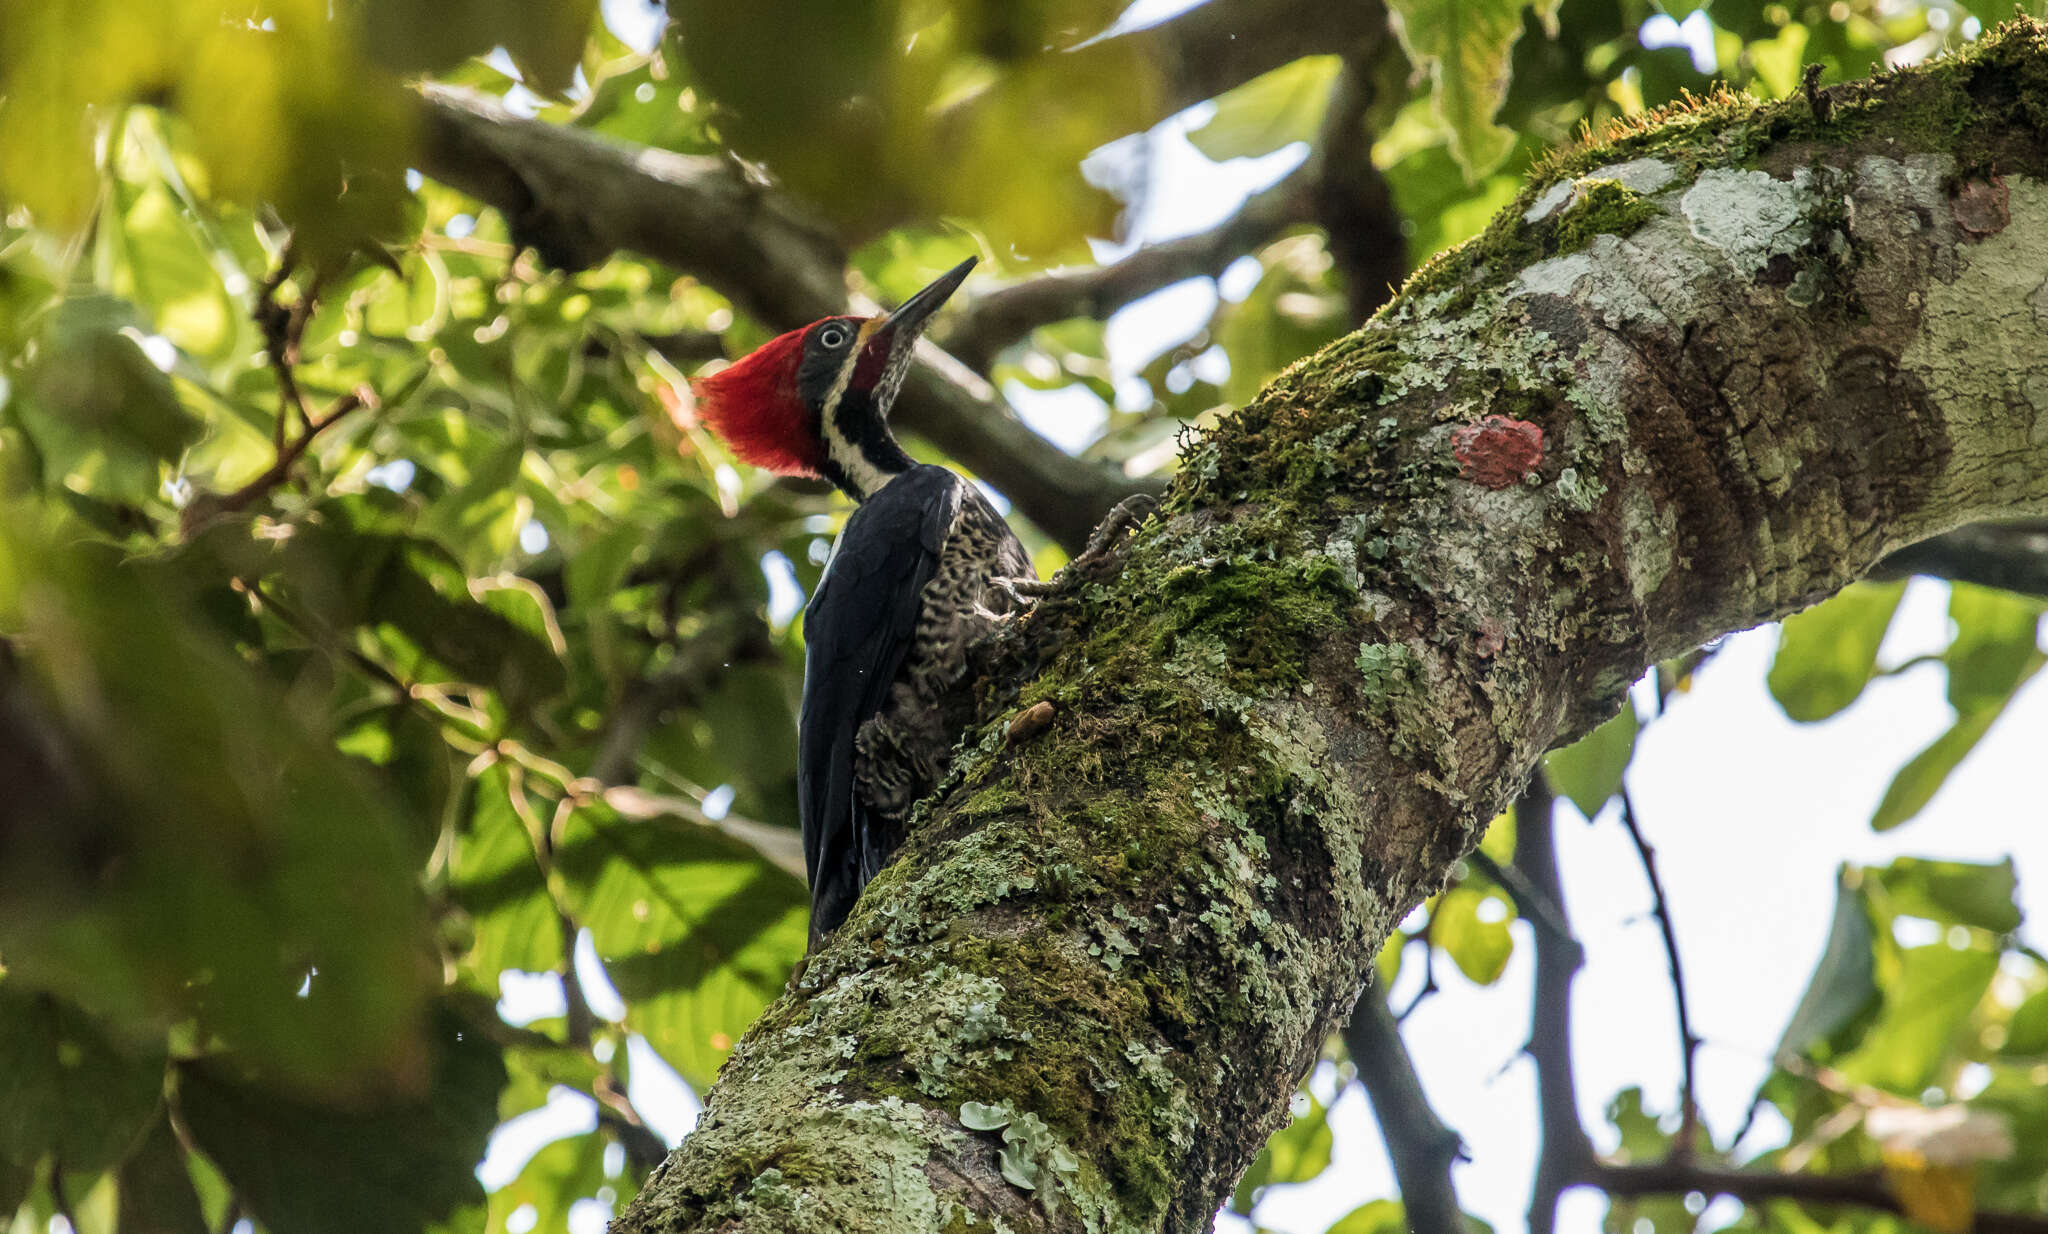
pixel 901 752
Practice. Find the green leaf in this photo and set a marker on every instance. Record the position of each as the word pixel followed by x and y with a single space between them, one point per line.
pixel 65 1089
pixel 206 851
pixel 1954 892
pixel 1293 310
pixel 497 880
pixel 1844 983
pixel 1377 1217
pixel 1472 928
pixel 1995 647
pixel 1923 775
pixel 1270 111
pixel 103 417
pixel 698 932
pixel 2027 1033
pixel 1465 46
pixel 396 1165
pixel 1926 1005
pixel 1589 770
pixel 157 1196
pixel 1827 653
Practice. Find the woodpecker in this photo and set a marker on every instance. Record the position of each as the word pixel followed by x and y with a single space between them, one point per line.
pixel 924 567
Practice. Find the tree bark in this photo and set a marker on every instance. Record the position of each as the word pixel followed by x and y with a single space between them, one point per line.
pixel 1692 381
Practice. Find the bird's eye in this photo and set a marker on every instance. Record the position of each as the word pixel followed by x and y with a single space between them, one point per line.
pixel 834 336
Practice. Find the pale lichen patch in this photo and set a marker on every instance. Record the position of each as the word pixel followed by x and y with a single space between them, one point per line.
pixel 1982 348
pixel 1649 539
pixel 1750 216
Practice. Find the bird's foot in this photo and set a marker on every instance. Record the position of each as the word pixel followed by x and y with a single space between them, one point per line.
pixel 1104 546
pixel 1108 541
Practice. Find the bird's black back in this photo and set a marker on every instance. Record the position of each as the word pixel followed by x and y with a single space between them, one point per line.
pixel 858 629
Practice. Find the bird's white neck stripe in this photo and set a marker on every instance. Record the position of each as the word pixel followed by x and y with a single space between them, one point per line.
pixel 866 478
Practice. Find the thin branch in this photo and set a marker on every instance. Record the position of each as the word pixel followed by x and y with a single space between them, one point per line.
pixel 284 328
pixel 1422 1148
pixel 1564 1153
pixel 1861 1190
pixel 617 1114
pixel 1689 1042
pixel 995 319
pixel 1429 982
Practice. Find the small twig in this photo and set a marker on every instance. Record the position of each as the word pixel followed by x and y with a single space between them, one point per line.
pixel 580 1020
pixel 1689 1042
pixel 617 1114
pixel 206 507
pixel 1429 985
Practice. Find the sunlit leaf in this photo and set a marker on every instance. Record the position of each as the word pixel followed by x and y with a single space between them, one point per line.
pixel 1844 982
pixel 697 932
pixel 1961 892
pixel 1465 46
pixel 1923 775
pixel 1995 645
pixel 1925 1005
pixel 1827 653
pixel 1589 770
pixel 1270 111
pixel 561 1173
pixel 1472 928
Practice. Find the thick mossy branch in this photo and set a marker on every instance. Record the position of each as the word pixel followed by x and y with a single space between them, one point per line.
pixel 1702 376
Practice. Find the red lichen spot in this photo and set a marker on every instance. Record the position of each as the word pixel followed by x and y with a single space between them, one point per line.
pixel 1497 451
pixel 754 406
pixel 1489 639
pixel 1982 207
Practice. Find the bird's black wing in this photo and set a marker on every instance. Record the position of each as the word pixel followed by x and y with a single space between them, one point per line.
pixel 857 630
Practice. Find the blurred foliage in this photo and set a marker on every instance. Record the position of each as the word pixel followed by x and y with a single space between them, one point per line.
pixel 334 755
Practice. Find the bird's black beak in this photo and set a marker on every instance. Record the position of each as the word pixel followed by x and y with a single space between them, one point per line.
pixel 902 327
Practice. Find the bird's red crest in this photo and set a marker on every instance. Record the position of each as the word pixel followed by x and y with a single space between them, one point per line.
pixel 756 409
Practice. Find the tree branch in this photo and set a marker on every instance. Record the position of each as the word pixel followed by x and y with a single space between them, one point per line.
pixel 995 319
pixel 1421 1147
pixel 2012 556
pixel 1352 201
pixel 1564 1150
pixel 1860 1190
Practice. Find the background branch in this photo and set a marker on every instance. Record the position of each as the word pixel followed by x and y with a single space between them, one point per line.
pixel 1564 1154
pixel 2012 555
pixel 1421 1147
